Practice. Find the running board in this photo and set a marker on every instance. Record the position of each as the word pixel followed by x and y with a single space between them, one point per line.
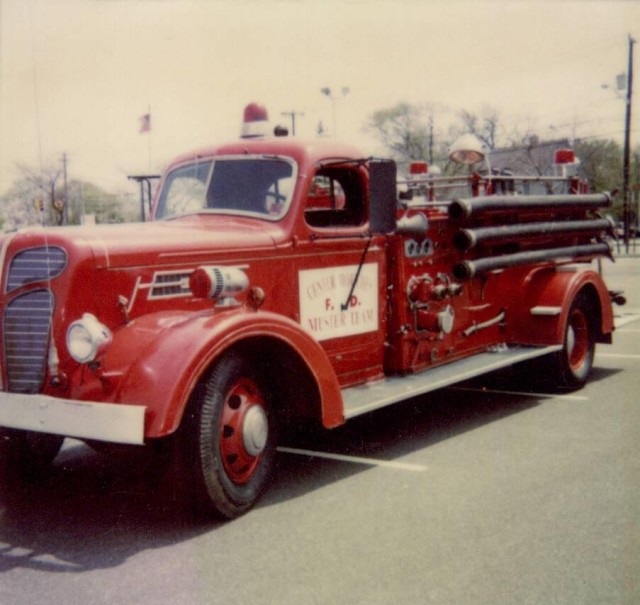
pixel 366 398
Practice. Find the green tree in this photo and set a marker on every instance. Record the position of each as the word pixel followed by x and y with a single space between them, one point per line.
pixel 42 187
pixel 19 205
pixel 86 199
pixel 601 165
pixel 35 197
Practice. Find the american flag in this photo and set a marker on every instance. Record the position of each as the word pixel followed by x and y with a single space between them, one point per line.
pixel 145 123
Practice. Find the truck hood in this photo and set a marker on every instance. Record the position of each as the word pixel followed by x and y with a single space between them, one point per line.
pixel 168 242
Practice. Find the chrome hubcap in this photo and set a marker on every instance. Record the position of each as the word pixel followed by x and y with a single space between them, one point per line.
pixel 255 430
pixel 571 341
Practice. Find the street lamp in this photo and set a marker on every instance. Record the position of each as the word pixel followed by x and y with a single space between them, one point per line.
pixel 327 92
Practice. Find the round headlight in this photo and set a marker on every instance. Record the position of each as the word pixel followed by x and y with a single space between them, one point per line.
pixel 85 337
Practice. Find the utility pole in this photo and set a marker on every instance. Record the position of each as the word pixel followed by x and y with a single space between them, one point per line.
pixel 292 114
pixel 65 211
pixel 430 139
pixel 627 147
pixel 635 188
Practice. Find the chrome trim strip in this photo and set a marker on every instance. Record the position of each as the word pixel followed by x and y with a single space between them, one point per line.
pixel 366 398
pixel 548 311
pixel 3 254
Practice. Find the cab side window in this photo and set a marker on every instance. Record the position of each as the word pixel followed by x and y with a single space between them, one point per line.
pixel 336 199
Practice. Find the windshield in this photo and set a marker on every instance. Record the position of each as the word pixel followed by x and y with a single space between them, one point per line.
pixel 255 186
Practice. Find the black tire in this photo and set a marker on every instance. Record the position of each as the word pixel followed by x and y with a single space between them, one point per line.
pixel 26 454
pixel 573 363
pixel 229 439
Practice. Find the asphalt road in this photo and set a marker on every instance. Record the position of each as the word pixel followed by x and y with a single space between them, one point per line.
pixel 484 494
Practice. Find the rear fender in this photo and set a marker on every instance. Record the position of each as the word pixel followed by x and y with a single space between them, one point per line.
pixel 546 296
pixel 173 352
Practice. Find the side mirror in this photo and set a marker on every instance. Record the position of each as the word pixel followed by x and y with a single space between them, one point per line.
pixel 382 196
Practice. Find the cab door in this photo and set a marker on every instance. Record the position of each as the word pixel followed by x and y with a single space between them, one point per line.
pixel 342 274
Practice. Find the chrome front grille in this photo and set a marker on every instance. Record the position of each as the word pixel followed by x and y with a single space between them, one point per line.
pixel 26 327
pixel 35 264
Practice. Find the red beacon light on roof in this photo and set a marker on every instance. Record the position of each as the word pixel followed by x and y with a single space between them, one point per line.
pixel 255 121
pixel 566 163
pixel 565 156
pixel 416 180
pixel 418 168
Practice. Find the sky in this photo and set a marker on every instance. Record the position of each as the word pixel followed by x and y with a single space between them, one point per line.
pixel 77 75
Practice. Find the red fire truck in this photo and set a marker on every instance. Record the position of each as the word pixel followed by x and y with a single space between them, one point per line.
pixel 280 283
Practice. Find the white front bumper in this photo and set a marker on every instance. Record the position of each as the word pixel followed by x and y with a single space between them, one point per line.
pixel 72 418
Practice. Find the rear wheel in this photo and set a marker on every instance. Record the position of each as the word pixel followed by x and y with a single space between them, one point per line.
pixel 573 363
pixel 230 438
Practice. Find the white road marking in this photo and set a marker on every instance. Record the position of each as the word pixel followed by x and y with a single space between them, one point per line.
pixel 619 321
pixel 523 393
pixel 623 320
pixel 403 466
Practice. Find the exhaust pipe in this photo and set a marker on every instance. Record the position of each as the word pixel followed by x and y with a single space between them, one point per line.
pixel 466 239
pixel 470 268
pixel 462 209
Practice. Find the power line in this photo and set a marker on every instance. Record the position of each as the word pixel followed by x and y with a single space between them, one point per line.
pixel 595 54
pixel 605 135
pixel 35 84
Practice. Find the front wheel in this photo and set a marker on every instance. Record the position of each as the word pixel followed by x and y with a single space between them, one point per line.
pixel 573 363
pixel 230 438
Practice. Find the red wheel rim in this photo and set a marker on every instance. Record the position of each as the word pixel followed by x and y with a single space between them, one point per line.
pixel 577 339
pixel 242 403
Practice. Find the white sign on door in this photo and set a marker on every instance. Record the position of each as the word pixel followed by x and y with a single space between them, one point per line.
pixel 328 308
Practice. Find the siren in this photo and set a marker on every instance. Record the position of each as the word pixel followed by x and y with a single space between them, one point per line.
pixel 255 121
pixel 221 284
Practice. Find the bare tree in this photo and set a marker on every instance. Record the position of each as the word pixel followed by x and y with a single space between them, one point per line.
pixel 403 130
pixel 45 183
pixel 484 125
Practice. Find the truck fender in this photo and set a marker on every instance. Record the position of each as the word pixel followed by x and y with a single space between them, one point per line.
pixel 175 350
pixel 545 302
